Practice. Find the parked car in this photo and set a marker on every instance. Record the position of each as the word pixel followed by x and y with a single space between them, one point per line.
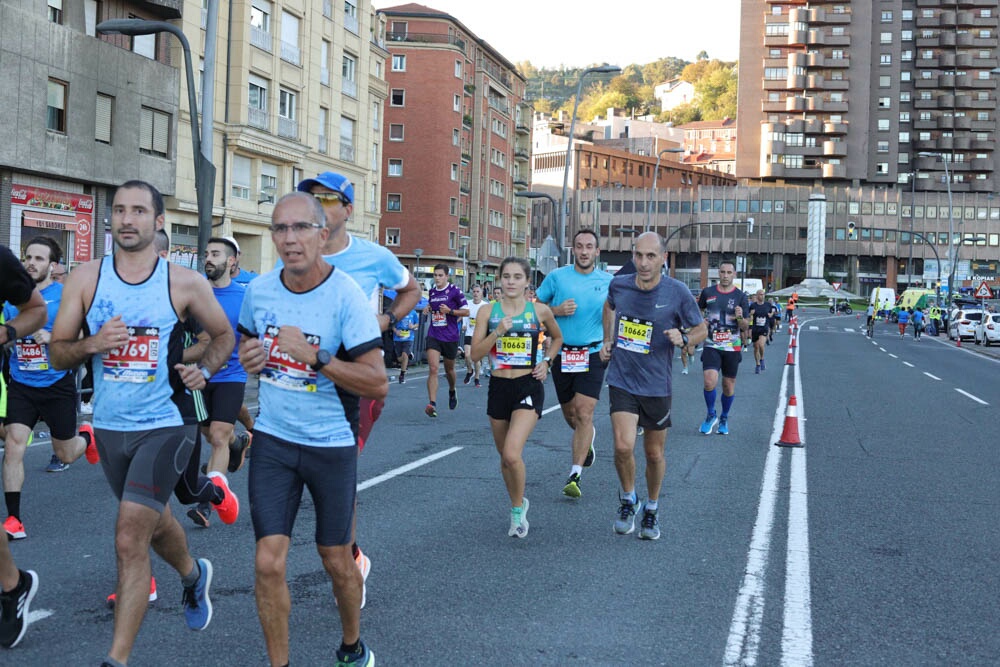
pixel 963 323
pixel 988 329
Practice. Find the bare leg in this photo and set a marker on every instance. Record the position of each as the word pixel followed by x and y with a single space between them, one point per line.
pixel 624 425
pixel 220 434
pixel 13 457
pixel 274 603
pixel 654 443
pixel 449 373
pixel 347 582
pixel 433 360
pixel 509 438
pixel 8 569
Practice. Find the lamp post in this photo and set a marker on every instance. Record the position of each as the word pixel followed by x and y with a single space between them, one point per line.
pixel 952 255
pixel 529 194
pixel 937 258
pixel 204 170
pixel 913 219
pixel 416 267
pixel 604 69
pixel 656 173
pixel 464 242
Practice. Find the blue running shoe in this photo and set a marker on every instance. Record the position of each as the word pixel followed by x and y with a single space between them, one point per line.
pixel 710 421
pixel 625 522
pixel 762 364
pixel 723 425
pixel 756 369
pixel 363 658
pixel 197 603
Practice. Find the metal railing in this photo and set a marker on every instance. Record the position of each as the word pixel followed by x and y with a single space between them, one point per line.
pixel 346 151
pixel 262 39
pixel 290 53
pixel 427 37
pixel 349 87
pixel 288 127
pixel 351 23
pixel 258 118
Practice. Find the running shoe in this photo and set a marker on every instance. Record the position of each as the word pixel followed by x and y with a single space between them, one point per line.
pixel 55 465
pixel 431 410
pixel 238 450
pixel 710 421
pixel 200 514
pixel 468 377
pixel 640 431
pixel 87 433
pixel 756 369
pixel 762 364
pixel 402 377
pixel 363 658
pixel 625 523
pixel 14 608
pixel 14 528
pixel 152 594
pixel 572 488
pixel 452 400
pixel 684 371
pixel 196 601
pixel 649 527
pixel 723 425
pixel 591 454
pixel 229 508
pixel 364 564
pixel 86 408
pixel 477 385
pixel 519 530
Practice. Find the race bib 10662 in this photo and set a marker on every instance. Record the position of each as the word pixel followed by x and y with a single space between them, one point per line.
pixel 634 334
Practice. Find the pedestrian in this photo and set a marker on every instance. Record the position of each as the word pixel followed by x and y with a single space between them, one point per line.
pixel 17 587
pixel 904 318
pixel 724 306
pixel 645 316
pixel 446 307
pixel 508 332
pixel 308 331
pixel 472 369
pixel 402 341
pixel 576 296
pixel 918 318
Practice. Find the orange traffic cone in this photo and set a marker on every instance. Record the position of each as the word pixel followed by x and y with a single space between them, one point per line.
pixel 790 361
pixel 857 316
pixel 790 433
pixel 793 343
pixel 958 341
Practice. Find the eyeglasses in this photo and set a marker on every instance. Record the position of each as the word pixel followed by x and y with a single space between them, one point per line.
pixel 297 227
pixel 330 198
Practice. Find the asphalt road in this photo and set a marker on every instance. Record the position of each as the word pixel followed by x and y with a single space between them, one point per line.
pixel 876 543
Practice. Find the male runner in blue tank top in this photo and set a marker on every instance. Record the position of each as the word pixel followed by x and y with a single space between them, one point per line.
pixel 131 306
pixel 306 332
pixel 17 587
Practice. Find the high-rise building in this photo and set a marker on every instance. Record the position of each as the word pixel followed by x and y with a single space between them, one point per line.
pixel 838 93
pixel 457 145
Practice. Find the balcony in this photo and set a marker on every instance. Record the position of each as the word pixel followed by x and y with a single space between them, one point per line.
pixel 835 148
pixel 351 22
pixel 520 183
pixel 795 82
pixel 963 143
pixel 288 128
pixel 466 186
pixel 500 104
pixel 290 54
pixel 834 128
pixel 521 128
pixel 772 170
pixel 797 37
pixel 522 155
pixel 520 209
pixel 834 171
pixel 466 149
pixel 262 39
pixel 427 38
pixel 349 88
pixel 258 118
pixel 517 235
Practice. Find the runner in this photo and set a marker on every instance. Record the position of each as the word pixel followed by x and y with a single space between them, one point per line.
pixel 402 340
pixel 724 306
pixel 133 303
pixel 447 305
pixel 774 319
pixel 576 295
pixel 17 587
pixel 508 331
pixel 645 316
pixel 869 319
pixel 223 395
pixel 472 368
pixel 760 313
pixel 902 319
pixel 306 313
pixel 37 392
pixel 918 318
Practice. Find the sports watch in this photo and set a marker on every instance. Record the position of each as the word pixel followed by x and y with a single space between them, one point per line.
pixel 322 359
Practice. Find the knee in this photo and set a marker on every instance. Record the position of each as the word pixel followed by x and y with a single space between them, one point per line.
pixel 510 460
pixel 337 561
pixel 269 565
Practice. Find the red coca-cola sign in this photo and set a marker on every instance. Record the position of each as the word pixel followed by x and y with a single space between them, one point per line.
pixel 44 199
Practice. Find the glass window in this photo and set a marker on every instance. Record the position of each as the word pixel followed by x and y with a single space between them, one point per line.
pixel 395 131
pixel 154 132
pixel 55 119
pixel 241 177
pixel 394 202
pixel 398 63
pixel 395 167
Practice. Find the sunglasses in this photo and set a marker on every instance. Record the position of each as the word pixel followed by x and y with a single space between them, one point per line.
pixel 330 198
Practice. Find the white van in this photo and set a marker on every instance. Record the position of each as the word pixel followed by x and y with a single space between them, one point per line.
pixel 883 298
pixel 749 285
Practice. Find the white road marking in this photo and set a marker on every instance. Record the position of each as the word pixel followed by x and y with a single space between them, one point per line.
pixel 849 329
pixel 967 394
pixel 933 377
pixel 881 349
pixel 35 615
pixel 907 363
pixel 396 472
pixel 893 355
pixel 548 410
pixel 812 327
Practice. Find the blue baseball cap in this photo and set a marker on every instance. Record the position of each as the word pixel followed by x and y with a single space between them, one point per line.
pixel 328 179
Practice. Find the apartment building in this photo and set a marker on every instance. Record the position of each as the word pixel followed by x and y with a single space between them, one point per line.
pixel 457 146
pixel 83 113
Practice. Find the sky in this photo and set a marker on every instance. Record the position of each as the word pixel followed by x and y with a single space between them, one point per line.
pixel 576 34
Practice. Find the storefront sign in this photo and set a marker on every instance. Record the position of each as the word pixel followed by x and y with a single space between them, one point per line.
pixel 69 212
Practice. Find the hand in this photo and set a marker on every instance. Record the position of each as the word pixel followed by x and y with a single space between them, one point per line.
pixel 252 356
pixel 738 311
pixel 42 336
pixel 605 353
pixel 540 371
pixel 292 342
pixel 567 307
pixel 443 308
pixel 507 323
pixel 191 376
pixel 112 335
pixel 383 321
pixel 675 337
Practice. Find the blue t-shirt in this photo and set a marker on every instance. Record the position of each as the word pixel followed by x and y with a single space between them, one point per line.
pixel 589 291
pixel 918 317
pixel 30 364
pixel 297 403
pixel 904 316
pixel 244 276
pixel 642 356
pixel 401 331
pixel 231 300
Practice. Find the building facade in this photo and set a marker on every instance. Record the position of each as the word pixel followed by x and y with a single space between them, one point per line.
pixel 457 146
pixel 85 112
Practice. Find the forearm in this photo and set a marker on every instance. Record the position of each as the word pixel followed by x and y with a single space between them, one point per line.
pixel 218 351
pixel 67 354
pixel 27 321
pixel 483 346
pixel 697 334
pixel 358 378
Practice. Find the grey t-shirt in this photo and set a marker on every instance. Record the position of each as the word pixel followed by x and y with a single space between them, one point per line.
pixel 642 355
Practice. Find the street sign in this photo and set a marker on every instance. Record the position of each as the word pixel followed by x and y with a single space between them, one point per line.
pixel 984 291
pixel 836 286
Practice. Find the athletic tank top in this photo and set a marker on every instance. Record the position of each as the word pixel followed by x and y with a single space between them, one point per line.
pixel 134 384
pixel 518 347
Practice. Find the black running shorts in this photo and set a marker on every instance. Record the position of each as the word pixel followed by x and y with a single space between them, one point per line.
pixel 55 405
pixel 653 411
pixel 719 360
pixel 509 394
pixel 144 466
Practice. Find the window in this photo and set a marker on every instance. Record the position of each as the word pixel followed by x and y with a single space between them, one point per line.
pixel 257 102
pixel 398 63
pixel 154 132
pixel 90 17
pixel 906 36
pixel 456 102
pixel 379 65
pixel 882 168
pixel 458 69
pixel 884 81
pixel 260 15
pixel 392 235
pixel 55 11
pixel 884 102
pixel 349 72
pixel 102 118
pixel 453 206
pixel 454 172
pixel 499 127
pixel 455 137
pixel 56 106
pixel 290 39
pixel 286 104
pixel 883 124
pixel 395 131
pixel 886 17
pixel 904 137
pixel 904 96
pixel 144 45
pixel 452 240
pixel 397 97
pixel 241 177
pixel 268 181
pixel 394 202
pixel 885 38
pixel 351 16
pixel 498 158
pixel 904 116
pixel 882 147
pixel 907 15
pixel 375 156
pixel 324 62
pixel 885 59
pixel 376 112
pixel 324 120
pixel 395 167
pixel 346 139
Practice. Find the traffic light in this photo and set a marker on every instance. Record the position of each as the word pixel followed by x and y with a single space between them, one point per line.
pixel 851 233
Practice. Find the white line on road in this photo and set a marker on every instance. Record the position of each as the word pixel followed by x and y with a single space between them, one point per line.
pixel 548 410
pixel 396 472
pixel 890 354
pixel 907 363
pixel 881 349
pixel 933 377
pixel 811 328
pixel 849 329
pixel 967 394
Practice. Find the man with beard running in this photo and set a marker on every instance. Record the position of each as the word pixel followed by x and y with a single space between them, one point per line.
pixel 724 306
pixel 576 295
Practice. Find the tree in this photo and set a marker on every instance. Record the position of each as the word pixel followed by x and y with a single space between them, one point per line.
pixel 664 69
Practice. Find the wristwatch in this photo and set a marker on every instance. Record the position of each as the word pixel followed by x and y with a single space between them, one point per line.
pixel 205 373
pixel 684 339
pixel 547 360
pixel 11 333
pixel 392 318
pixel 322 359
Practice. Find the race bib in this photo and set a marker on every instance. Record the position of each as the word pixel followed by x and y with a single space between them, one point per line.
pixel 135 360
pixel 439 319
pixel 722 337
pixel 634 334
pixel 472 323
pixel 575 359
pixel 281 370
pixel 514 350
pixel 32 356
pixel 760 321
pixel 403 333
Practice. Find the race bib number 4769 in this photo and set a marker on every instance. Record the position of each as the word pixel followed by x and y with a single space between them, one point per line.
pixel 281 370
pixel 136 359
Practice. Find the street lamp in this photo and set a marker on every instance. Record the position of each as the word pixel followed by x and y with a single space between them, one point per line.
pixel 656 172
pixel 529 194
pixel 204 170
pixel 952 255
pixel 604 69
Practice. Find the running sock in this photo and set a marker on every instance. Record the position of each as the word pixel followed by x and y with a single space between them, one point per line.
pixel 630 496
pixel 111 662
pixel 434 403
pixel 516 513
pixel 576 470
pixel 355 550
pixel 727 402
pixel 651 505
pixel 13 500
pixel 192 578
pixel 86 437
pixel 710 400
pixel 351 648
